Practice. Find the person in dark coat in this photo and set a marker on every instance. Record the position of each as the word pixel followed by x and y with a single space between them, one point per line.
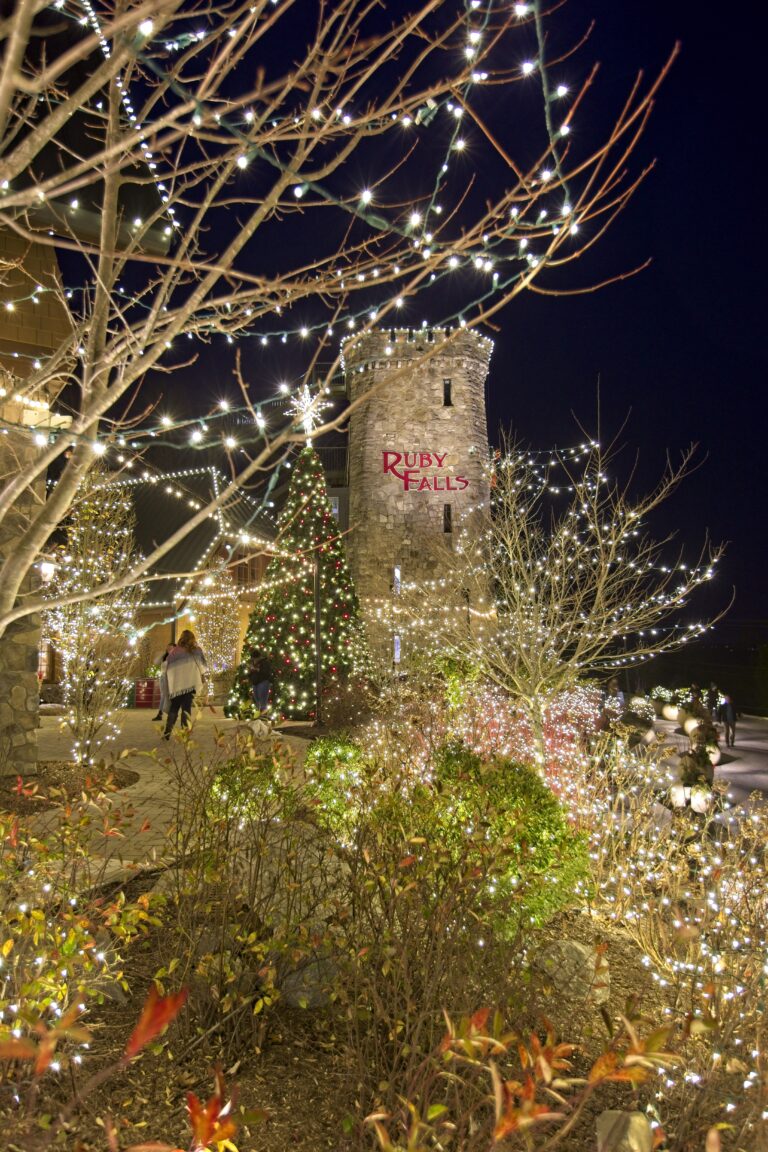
pixel 260 675
pixel 713 700
pixel 727 717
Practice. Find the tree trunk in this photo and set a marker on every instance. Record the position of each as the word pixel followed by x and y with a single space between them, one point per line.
pixel 535 714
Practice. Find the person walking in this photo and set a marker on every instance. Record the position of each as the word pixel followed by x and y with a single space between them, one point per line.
pixel 184 670
pixel 727 717
pixel 163 683
pixel 713 700
pixel 260 673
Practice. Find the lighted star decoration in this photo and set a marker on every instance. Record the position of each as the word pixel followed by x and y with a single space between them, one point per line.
pixel 307 409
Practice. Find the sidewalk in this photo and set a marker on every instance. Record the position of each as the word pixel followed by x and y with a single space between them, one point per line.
pixel 152 799
pixel 150 803
pixel 744 766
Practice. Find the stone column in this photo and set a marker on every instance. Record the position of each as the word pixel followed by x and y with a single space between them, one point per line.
pixel 34 323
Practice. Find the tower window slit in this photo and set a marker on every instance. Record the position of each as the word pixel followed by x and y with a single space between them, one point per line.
pixel 447 518
pixel 447 393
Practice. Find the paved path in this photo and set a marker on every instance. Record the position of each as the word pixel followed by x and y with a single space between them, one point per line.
pixel 745 766
pixel 153 799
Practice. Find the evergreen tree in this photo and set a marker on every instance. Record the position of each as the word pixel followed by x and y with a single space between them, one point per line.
pixel 283 621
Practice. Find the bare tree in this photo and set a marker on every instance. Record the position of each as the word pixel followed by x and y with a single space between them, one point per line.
pixel 94 636
pixel 201 180
pixel 559 579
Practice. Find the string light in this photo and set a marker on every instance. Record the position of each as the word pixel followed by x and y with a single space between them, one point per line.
pixel 289 616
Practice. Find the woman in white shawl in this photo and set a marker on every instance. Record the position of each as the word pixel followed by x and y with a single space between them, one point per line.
pixel 184 669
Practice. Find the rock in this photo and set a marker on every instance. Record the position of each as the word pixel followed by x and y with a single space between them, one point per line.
pixel 310 985
pixel 624 1132
pixel 578 972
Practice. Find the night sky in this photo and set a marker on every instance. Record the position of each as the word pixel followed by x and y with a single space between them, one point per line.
pixel 675 350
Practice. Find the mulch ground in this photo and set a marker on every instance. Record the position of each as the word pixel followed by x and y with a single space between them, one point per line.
pixel 299 1078
pixel 52 780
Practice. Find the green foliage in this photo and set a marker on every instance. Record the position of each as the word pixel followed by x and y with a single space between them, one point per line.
pixel 283 620
pixel 458 675
pixel 62 936
pixel 494 815
pixel 247 783
pixel 338 772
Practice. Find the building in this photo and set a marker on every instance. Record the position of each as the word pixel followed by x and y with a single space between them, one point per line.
pixel 418 454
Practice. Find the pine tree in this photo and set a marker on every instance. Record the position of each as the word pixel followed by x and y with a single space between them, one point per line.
pixel 283 621
pixel 94 635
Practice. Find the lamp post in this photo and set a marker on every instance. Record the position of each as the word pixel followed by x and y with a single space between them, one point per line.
pixel 318 654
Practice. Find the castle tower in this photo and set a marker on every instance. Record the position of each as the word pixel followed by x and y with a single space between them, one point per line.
pixel 418 449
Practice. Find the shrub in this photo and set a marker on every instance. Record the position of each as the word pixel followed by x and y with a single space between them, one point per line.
pixel 244 893
pixel 443 872
pixel 63 928
pixel 474 809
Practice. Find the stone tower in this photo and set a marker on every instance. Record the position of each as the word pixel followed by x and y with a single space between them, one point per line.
pixel 418 449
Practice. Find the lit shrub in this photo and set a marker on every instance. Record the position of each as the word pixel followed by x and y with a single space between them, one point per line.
pixel 64 928
pixel 242 897
pixel 441 879
pixel 493 815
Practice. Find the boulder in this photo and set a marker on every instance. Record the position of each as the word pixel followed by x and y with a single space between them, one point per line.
pixel 579 972
pixel 310 985
pixel 624 1132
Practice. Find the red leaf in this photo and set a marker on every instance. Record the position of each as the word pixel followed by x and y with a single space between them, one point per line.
pixel 479 1019
pixel 210 1122
pixel 11 1049
pixel 158 1012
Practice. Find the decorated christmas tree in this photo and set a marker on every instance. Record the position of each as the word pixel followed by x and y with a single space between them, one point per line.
pixel 307 595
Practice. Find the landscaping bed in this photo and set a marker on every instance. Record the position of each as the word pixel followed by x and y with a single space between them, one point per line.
pixel 52 780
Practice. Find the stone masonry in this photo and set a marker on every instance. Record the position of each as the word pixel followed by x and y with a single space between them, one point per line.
pixel 418 451
pixel 36 323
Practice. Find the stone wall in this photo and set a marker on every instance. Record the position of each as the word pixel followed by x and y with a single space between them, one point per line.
pixel 19 689
pixel 418 451
pixel 35 325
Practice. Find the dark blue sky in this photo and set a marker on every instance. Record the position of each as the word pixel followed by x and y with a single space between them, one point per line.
pixel 676 350
pixel 679 347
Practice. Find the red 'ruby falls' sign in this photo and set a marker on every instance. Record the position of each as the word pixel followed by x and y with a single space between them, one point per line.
pixel 423 472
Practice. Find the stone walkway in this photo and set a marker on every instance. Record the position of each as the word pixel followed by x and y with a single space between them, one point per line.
pixel 151 802
pixel 144 843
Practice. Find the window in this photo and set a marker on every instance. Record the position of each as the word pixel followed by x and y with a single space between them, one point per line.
pixel 396 580
pixel 44 662
pixel 396 650
pixel 334 502
pixel 447 518
pixel 447 396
